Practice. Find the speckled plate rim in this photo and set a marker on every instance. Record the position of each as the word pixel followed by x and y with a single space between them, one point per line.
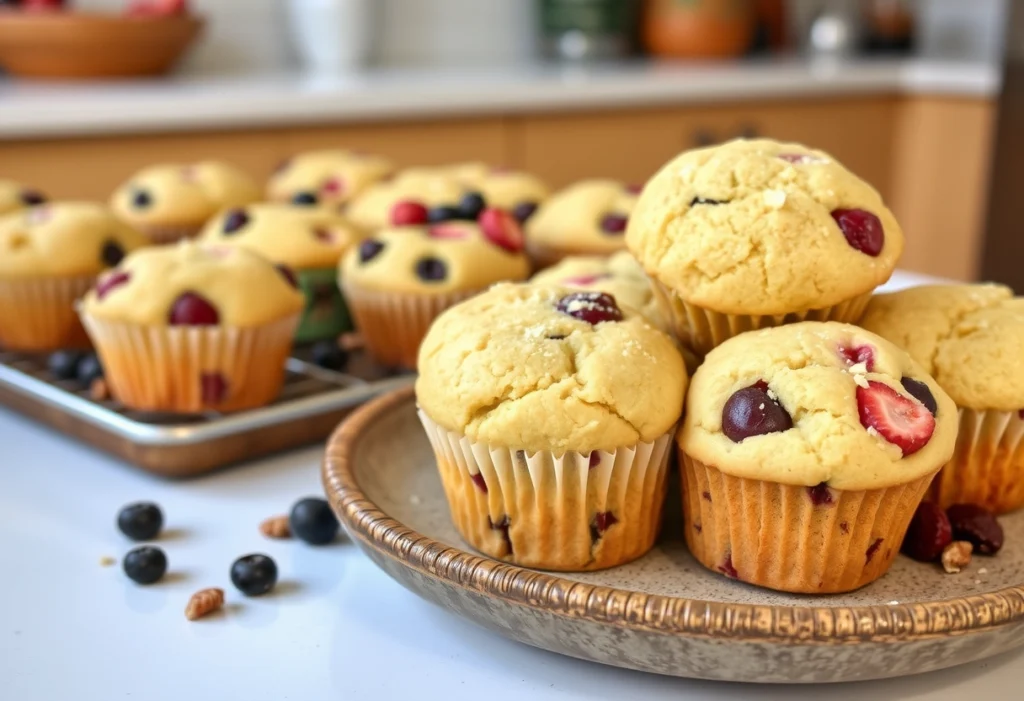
pixel 636 610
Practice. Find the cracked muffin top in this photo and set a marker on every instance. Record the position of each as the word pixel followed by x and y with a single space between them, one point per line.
pixel 537 367
pixel 191 284
pixel 588 217
pixel 762 227
pixel 969 337
pixel 183 194
pixel 299 237
pixel 818 403
pixel 64 239
pixel 328 177
pixel 14 196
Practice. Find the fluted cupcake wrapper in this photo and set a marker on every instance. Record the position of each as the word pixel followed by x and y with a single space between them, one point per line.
pixel 393 324
pixel 702 329
pixel 166 233
pixel 38 314
pixel 191 369
pixel 570 512
pixel 791 538
pixel 987 467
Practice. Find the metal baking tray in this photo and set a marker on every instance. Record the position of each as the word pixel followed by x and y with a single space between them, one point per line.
pixel 311 404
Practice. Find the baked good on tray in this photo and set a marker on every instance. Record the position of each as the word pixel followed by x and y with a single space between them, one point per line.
pixel 971 339
pixel 190 328
pixel 551 412
pixel 15 196
pixel 329 177
pixel 50 256
pixel 804 451
pixel 397 281
pixel 585 219
pixel 759 233
pixel 310 241
pixel 173 201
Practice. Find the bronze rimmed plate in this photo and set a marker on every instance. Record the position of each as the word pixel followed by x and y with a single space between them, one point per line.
pixel 663 613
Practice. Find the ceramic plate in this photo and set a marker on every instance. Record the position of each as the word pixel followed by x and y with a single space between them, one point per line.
pixel 663 613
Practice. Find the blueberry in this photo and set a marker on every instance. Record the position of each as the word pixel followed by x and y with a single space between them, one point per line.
pixel 436 215
pixel 327 354
pixel 141 199
pixel 145 564
pixel 369 249
pixel 523 211
pixel 305 198
pixel 919 391
pixel 63 364
pixel 313 521
pixel 471 205
pixel 89 370
pixel 431 269
pixel 235 220
pixel 141 520
pixel 112 253
pixel 31 198
pixel 254 574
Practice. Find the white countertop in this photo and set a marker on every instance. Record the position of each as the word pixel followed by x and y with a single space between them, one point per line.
pixel 337 628
pixel 194 102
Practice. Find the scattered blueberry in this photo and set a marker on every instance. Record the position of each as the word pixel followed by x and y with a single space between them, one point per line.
pixel 141 199
pixel 89 370
pixel 436 215
pixel 329 355
pixel 145 564
pixel 235 220
pixel 254 574
pixel 312 521
pixel 919 391
pixel 304 198
pixel 369 249
pixel 141 520
pixel 32 198
pixel 523 211
pixel 471 205
pixel 431 269
pixel 112 253
pixel 63 364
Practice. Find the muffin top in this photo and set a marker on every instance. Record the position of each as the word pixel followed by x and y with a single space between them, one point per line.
pixel 299 237
pixel 14 196
pixel 64 239
pixel 587 217
pixel 192 284
pixel 431 187
pixel 326 177
pixel 619 275
pixel 818 403
pixel 183 195
pixel 761 227
pixel 442 258
pixel 969 337
pixel 538 367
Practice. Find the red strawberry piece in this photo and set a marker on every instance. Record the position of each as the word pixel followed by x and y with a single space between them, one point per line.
pixel 898 419
pixel 333 186
pixel 581 280
pixel 929 533
pixel 728 569
pixel 863 230
pixel 447 231
pixel 109 282
pixel 213 386
pixel 501 229
pixel 408 213
pixel 855 355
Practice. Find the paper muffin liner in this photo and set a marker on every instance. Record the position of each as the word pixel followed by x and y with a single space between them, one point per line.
pixel 987 467
pixel 570 512
pixel 790 538
pixel 326 315
pixel 702 329
pixel 191 369
pixel 38 314
pixel 393 324
pixel 167 233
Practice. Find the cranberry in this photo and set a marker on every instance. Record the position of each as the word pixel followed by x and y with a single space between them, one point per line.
pixel 478 480
pixel 141 199
pixel 112 253
pixel 820 494
pixel 408 213
pixel 287 274
pixel 501 228
pixel 502 525
pixel 706 495
pixel 305 198
pixel 751 411
pixel 872 549
pixel 855 355
pixel 213 386
pixel 523 211
pixel 728 569
pixel 614 223
pixel 234 220
pixel 591 307
pixel 929 533
pixel 369 249
pixel 31 198
pixel 191 309
pixel 603 520
pixel 110 282
pixel 919 391
pixel 594 461
pixel 706 200
pixel 431 269
pixel 333 186
pixel 863 230
pixel 323 234
pixel 844 527
pixel 634 188
pixel 583 280
pixel 977 525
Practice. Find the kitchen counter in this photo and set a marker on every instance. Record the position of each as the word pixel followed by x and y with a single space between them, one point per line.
pixel 192 102
pixel 336 627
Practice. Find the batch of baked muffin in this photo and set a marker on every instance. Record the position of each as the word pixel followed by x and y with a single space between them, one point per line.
pixel 816 419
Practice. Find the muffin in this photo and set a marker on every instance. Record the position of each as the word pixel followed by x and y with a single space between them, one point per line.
pixel 971 339
pixel 309 241
pixel 328 178
pixel 758 233
pixel 387 203
pixel 804 451
pixel 14 196
pixel 171 202
pixel 50 256
pixel 550 412
pixel 586 219
pixel 191 328
pixel 399 280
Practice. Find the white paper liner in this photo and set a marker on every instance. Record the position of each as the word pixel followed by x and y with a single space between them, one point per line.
pixel 702 329
pixel 38 314
pixel 161 368
pixel 987 467
pixel 553 505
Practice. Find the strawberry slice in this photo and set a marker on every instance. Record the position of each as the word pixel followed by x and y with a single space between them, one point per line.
pixel 501 229
pixel 898 419
pixel 855 355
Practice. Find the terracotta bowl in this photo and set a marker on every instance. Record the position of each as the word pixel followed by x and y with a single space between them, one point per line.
pixel 82 45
